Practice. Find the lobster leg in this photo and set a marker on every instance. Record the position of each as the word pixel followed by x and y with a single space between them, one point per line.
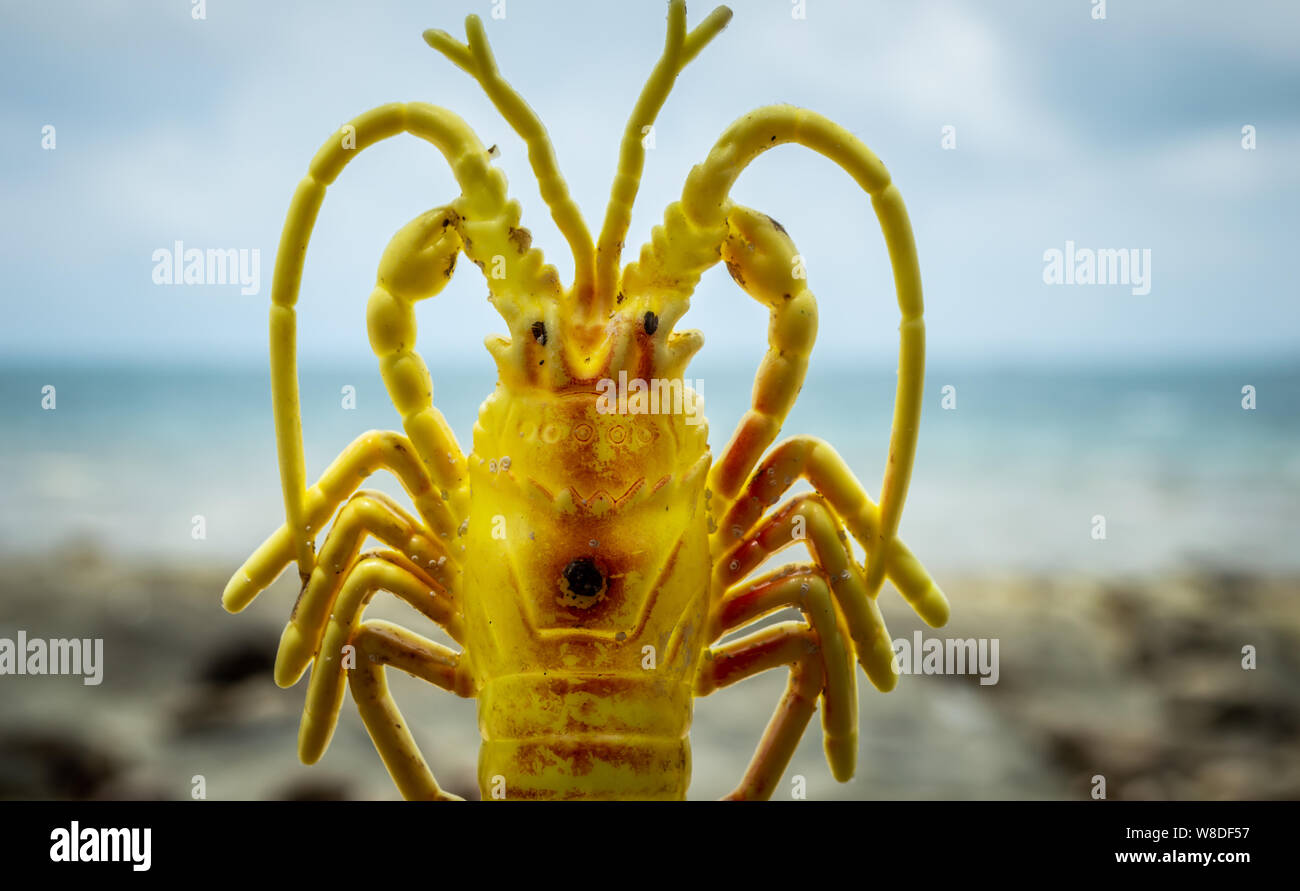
pixel 381 644
pixel 369 452
pixel 806 588
pixel 366 514
pixel 763 260
pixel 461 147
pixel 483 200
pixel 788 643
pixel 806 518
pixel 703 222
pixel 385 571
pixel 816 461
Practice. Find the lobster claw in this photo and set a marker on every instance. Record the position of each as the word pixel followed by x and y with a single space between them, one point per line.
pixel 421 258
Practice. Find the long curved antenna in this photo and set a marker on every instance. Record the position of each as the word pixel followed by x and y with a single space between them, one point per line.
pixel 481 184
pixel 476 59
pixel 687 244
pixel 679 49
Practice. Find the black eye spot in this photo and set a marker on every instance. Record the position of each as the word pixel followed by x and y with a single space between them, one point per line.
pixel 651 322
pixel 539 332
pixel 583 578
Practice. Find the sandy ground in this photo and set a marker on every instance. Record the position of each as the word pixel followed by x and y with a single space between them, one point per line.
pixel 1140 681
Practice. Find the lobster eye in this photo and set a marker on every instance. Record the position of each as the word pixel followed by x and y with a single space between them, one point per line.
pixel 539 332
pixel 651 323
pixel 582 579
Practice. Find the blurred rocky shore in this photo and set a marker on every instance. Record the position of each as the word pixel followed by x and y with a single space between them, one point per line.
pixel 1140 681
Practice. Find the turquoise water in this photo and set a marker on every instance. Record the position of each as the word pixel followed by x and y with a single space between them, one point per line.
pixel 1010 479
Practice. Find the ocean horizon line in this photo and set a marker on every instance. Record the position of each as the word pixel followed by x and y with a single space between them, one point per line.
pixel 1280 360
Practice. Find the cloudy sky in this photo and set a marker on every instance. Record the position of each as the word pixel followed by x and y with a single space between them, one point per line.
pixel 1122 133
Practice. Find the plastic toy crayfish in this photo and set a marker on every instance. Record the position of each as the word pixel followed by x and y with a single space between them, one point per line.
pixel 588 559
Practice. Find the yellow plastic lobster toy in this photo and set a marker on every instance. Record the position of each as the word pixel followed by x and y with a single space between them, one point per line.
pixel 588 555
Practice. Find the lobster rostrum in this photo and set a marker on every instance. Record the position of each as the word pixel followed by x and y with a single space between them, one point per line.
pixel 588 559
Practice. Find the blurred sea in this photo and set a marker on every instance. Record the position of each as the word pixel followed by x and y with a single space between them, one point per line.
pixel 1119 656
pixel 1010 479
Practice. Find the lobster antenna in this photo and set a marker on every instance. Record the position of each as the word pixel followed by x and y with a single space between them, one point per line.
pixel 475 58
pixel 679 49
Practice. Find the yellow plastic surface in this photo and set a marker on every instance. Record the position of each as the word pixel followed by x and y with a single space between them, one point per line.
pixel 589 554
